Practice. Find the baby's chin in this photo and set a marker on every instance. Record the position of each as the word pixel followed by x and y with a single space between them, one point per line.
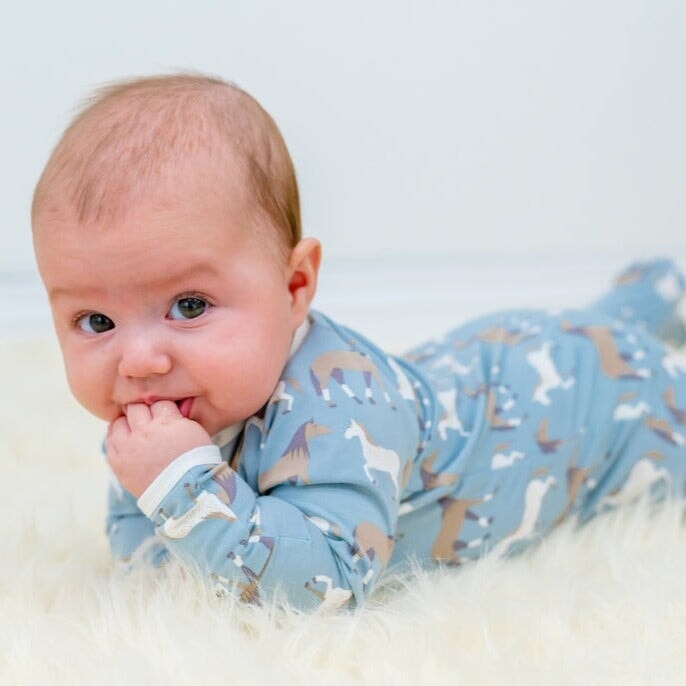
pixel 215 429
pixel 107 415
pixel 218 428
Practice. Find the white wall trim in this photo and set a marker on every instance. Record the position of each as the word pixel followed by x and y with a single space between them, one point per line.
pixel 395 302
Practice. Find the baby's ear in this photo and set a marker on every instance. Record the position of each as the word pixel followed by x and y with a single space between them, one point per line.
pixel 303 269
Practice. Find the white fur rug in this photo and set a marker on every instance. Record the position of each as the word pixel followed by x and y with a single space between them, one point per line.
pixel 603 605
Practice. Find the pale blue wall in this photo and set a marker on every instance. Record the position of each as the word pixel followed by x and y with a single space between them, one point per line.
pixel 434 127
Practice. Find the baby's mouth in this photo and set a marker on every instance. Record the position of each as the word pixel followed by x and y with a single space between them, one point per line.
pixel 185 406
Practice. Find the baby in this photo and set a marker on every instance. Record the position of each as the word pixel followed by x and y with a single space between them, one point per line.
pixel 274 450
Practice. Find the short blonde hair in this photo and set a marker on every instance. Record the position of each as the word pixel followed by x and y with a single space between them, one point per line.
pixel 130 131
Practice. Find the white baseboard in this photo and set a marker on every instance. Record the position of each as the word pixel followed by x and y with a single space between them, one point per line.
pixel 397 302
pixel 401 304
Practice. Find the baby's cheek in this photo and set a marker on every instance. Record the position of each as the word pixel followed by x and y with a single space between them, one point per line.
pixel 256 391
pixel 93 396
pixel 269 378
pixel 244 376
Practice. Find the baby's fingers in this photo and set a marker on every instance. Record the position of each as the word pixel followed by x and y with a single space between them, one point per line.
pixel 117 431
pixel 118 427
pixel 138 414
pixel 165 409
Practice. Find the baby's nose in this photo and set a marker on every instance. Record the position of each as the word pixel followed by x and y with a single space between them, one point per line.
pixel 143 355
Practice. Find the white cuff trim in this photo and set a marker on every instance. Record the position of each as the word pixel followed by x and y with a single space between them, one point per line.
pixel 156 492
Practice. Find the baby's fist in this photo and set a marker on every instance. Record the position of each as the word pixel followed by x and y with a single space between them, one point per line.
pixel 146 439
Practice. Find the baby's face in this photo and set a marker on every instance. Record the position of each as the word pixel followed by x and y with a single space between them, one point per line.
pixel 177 300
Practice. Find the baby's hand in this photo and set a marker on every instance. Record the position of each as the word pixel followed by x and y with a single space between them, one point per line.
pixel 147 439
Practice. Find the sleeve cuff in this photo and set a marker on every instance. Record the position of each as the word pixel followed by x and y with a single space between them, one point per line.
pixel 155 493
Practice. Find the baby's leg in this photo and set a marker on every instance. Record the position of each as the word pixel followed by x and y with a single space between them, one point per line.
pixel 649 293
pixel 649 450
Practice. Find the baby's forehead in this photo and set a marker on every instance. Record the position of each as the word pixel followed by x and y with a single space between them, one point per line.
pixel 193 197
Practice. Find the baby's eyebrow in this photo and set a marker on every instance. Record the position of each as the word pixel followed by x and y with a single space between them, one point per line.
pixel 60 292
pixel 169 279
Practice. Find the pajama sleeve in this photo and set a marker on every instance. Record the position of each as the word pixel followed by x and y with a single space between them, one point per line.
pixel 131 534
pixel 310 514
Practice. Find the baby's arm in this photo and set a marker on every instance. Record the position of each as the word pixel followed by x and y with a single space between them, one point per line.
pixel 307 513
pixel 139 446
pixel 305 539
pixel 131 534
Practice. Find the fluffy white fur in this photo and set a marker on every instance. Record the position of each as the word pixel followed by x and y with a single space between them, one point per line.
pixel 602 605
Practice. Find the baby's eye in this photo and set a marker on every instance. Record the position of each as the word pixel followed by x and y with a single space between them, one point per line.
pixel 94 323
pixel 187 308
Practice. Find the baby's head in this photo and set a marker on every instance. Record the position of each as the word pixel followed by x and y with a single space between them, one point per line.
pixel 134 135
pixel 166 228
